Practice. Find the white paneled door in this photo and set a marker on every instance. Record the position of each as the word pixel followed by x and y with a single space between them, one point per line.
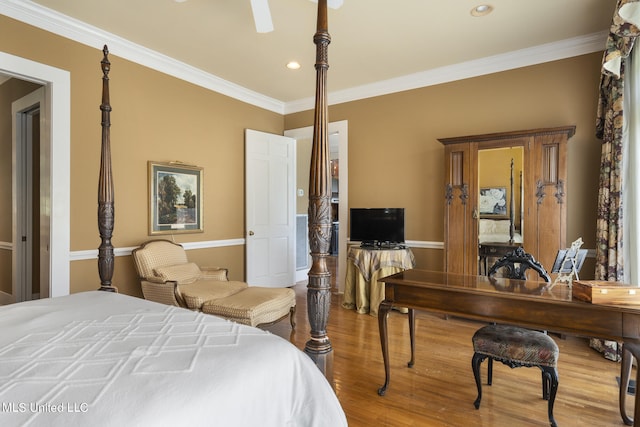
pixel 270 167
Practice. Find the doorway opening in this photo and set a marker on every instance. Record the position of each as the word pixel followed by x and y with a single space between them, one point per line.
pixel 57 115
pixel 338 141
pixel 30 198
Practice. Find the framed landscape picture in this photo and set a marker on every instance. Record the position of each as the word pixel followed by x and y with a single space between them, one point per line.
pixel 493 202
pixel 175 198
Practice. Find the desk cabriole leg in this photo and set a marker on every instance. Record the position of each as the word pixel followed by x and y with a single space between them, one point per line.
pixel 412 336
pixel 383 310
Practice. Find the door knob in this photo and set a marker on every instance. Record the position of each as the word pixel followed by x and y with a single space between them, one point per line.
pixel 251 233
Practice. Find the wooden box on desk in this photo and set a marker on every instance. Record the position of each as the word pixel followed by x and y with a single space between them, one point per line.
pixel 605 292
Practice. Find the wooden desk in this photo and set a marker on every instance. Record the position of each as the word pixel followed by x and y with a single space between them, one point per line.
pixel 365 266
pixel 523 303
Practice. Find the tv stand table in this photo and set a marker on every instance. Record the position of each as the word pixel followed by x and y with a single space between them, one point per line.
pixel 365 266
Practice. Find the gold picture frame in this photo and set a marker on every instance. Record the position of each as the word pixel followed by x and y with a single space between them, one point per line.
pixel 175 198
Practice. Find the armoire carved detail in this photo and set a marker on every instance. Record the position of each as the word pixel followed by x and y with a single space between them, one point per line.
pixel 448 193
pixel 464 194
pixel 560 191
pixel 540 191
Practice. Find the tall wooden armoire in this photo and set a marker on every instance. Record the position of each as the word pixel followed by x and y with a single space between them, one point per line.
pixel 541 187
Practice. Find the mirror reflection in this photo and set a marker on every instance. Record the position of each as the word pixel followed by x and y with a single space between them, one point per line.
pixel 500 202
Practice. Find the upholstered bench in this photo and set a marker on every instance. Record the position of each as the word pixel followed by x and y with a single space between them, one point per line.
pixel 517 347
pixel 255 306
pixel 197 293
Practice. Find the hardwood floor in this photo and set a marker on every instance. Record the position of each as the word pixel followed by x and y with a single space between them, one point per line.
pixel 439 390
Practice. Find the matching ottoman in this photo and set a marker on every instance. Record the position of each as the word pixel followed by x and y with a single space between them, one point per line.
pixel 255 306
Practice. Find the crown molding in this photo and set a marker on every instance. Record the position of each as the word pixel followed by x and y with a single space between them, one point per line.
pixel 65 26
pixel 492 64
pixel 81 32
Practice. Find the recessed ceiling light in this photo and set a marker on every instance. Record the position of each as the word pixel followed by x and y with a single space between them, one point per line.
pixel 293 65
pixel 482 10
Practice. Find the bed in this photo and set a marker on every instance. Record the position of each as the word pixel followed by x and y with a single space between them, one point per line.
pixel 101 358
pixel 497 231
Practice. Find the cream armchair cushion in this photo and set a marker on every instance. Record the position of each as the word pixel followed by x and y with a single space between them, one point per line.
pixel 197 293
pixel 181 273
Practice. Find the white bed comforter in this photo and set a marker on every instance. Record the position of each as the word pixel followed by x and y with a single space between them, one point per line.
pixel 103 359
pixel 496 231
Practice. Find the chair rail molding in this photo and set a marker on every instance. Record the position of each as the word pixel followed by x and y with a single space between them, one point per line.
pixel 126 251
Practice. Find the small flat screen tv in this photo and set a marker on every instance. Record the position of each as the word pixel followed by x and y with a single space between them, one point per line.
pixel 377 226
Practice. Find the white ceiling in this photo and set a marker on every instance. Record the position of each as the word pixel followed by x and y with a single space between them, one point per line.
pixel 377 45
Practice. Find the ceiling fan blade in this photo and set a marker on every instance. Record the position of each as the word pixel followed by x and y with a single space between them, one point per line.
pixel 333 4
pixel 262 16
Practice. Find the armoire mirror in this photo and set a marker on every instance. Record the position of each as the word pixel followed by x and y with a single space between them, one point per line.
pixel 501 194
pixel 500 203
pixel 483 192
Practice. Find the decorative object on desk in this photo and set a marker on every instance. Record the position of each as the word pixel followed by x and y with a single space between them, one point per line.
pixel 175 198
pixel 493 202
pixel 605 292
pixel 493 250
pixel 514 265
pixel 568 263
pixel 515 346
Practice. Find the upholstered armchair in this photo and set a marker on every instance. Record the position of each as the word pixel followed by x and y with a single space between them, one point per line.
pixel 166 276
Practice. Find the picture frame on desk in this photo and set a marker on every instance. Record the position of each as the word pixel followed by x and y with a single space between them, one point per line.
pixel 561 264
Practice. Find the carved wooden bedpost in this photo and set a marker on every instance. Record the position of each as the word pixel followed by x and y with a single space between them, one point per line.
pixel 105 185
pixel 511 213
pixel 319 287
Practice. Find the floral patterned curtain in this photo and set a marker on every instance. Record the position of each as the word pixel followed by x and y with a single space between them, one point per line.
pixel 609 128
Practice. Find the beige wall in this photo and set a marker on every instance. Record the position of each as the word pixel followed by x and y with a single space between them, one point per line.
pixel 395 158
pixel 155 117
